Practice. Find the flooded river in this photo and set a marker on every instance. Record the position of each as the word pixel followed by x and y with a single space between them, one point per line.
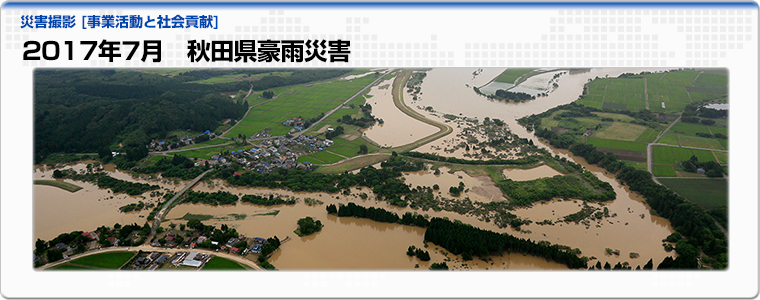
pixel 350 243
pixel 400 129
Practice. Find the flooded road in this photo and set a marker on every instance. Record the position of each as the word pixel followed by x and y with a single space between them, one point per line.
pixel 400 129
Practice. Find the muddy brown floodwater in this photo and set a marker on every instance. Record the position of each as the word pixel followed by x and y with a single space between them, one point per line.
pixel 530 174
pixel 480 188
pixel 449 90
pixel 58 211
pixel 344 243
pixel 400 129
pixel 350 243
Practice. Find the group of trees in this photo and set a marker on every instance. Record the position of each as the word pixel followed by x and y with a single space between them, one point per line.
pixel 459 238
pixel 512 96
pixel 123 186
pixel 215 198
pixel 308 225
pixel 266 201
pixel 377 214
pixel 366 120
pixel 336 132
pixel 711 168
pixel 421 254
pixel 132 207
pixel 177 167
pixel 267 95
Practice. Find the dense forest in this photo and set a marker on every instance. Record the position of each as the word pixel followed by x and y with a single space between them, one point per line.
pixel 86 110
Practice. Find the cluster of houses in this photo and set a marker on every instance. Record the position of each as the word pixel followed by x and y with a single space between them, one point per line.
pixel 164 145
pixel 280 152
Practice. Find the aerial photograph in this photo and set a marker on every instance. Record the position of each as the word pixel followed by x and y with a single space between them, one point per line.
pixel 380 169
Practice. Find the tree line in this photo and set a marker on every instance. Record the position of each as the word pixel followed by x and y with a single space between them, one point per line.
pixel 466 240
pixel 266 201
pixel 377 214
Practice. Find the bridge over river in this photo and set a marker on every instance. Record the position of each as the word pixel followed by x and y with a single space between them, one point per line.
pixel 167 206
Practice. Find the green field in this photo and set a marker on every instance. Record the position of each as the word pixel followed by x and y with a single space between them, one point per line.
pixel 510 75
pixel 109 260
pixel 675 155
pixel 612 144
pixel 320 158
pixel 663 171
pixel 68 267
pixel 636 164
pixel 663 155
pixel 708 193
pixel 722 157
pixel 59 184
pixel 220 263
pixel 239 77
pixel 621 131
pixel 648 136
pixel 675 89
pixel 306 101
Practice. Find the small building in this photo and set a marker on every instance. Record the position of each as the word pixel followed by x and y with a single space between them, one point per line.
pixel 190 260
pixel 587 133
pixel 256 248
pixel 234 250
pixel 161 259
pixel 201 239
pixel 700 170
pixel 141 261
pixel 259 240
pixel 61 246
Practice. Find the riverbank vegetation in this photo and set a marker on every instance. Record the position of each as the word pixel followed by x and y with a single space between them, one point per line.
pixel 377 214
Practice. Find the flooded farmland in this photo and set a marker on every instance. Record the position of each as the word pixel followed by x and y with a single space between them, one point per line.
pixel 350 243
pixel 57 211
